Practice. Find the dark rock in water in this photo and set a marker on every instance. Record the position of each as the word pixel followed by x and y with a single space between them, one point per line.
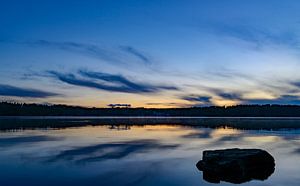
pixel 236 165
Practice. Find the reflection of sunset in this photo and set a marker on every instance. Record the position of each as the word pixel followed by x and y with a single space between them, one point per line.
pixel 162 149
pixel 135 132
pixel 220 132
pixel 136 92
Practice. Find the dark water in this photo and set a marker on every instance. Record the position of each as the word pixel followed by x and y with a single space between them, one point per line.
pixel 126 151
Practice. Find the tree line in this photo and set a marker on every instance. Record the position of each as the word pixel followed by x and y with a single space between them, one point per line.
pixel 23 109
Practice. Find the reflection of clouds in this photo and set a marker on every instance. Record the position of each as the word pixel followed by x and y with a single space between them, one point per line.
pixel 221 137
pixel 223 140
pixel 115 150
pixel 127 158
pixel 211 138
pixel 10 141
pixel 200 134
pixel 262 139
pixel 221 134
pixel 218 133
pixel 230 138
pixel 297 151
pixel 135 174
pixel 141 172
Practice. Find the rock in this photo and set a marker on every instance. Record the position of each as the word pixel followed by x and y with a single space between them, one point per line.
pixel 236 165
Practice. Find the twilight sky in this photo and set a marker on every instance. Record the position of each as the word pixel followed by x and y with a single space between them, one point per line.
pixel 154 53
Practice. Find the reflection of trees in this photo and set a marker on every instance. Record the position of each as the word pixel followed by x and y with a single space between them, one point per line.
pixel 126 122
pixel 119 127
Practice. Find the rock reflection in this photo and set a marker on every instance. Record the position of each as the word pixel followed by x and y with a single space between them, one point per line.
pixel 236 165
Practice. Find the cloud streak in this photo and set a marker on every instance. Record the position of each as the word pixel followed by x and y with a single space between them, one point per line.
pixel 216 94
pixel 89 50
pixel 120 83
pixel 198 100
pixel 136 53
pixel 92 50
pixel 229 96
pixel 254 34
pixel 284 100
pixel 7 90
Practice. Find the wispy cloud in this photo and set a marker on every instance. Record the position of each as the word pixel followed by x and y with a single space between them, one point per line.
pixel 251 33
pixel 8 90
pixel 89 50
pixel 119 79
pixel 140 55
pixel 120 83
pixel 198 100
pixel 297 84
pixel 238 96
pixel 114 55
pixel 230 96
pixel 284 100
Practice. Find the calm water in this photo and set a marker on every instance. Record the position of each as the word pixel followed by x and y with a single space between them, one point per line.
pixel 83 151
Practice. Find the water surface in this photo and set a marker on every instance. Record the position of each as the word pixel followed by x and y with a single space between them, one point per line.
pixel 126 151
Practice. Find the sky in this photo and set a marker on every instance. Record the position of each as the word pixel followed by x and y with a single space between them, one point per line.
pixel 158 53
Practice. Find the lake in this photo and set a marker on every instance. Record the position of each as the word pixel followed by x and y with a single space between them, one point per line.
pixel 138 151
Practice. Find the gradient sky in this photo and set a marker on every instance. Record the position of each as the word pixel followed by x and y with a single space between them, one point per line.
pixel 156 53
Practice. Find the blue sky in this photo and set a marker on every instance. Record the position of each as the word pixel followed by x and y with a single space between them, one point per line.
pixel 150 53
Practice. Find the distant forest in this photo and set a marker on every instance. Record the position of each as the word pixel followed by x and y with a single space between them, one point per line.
pixel 18 109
